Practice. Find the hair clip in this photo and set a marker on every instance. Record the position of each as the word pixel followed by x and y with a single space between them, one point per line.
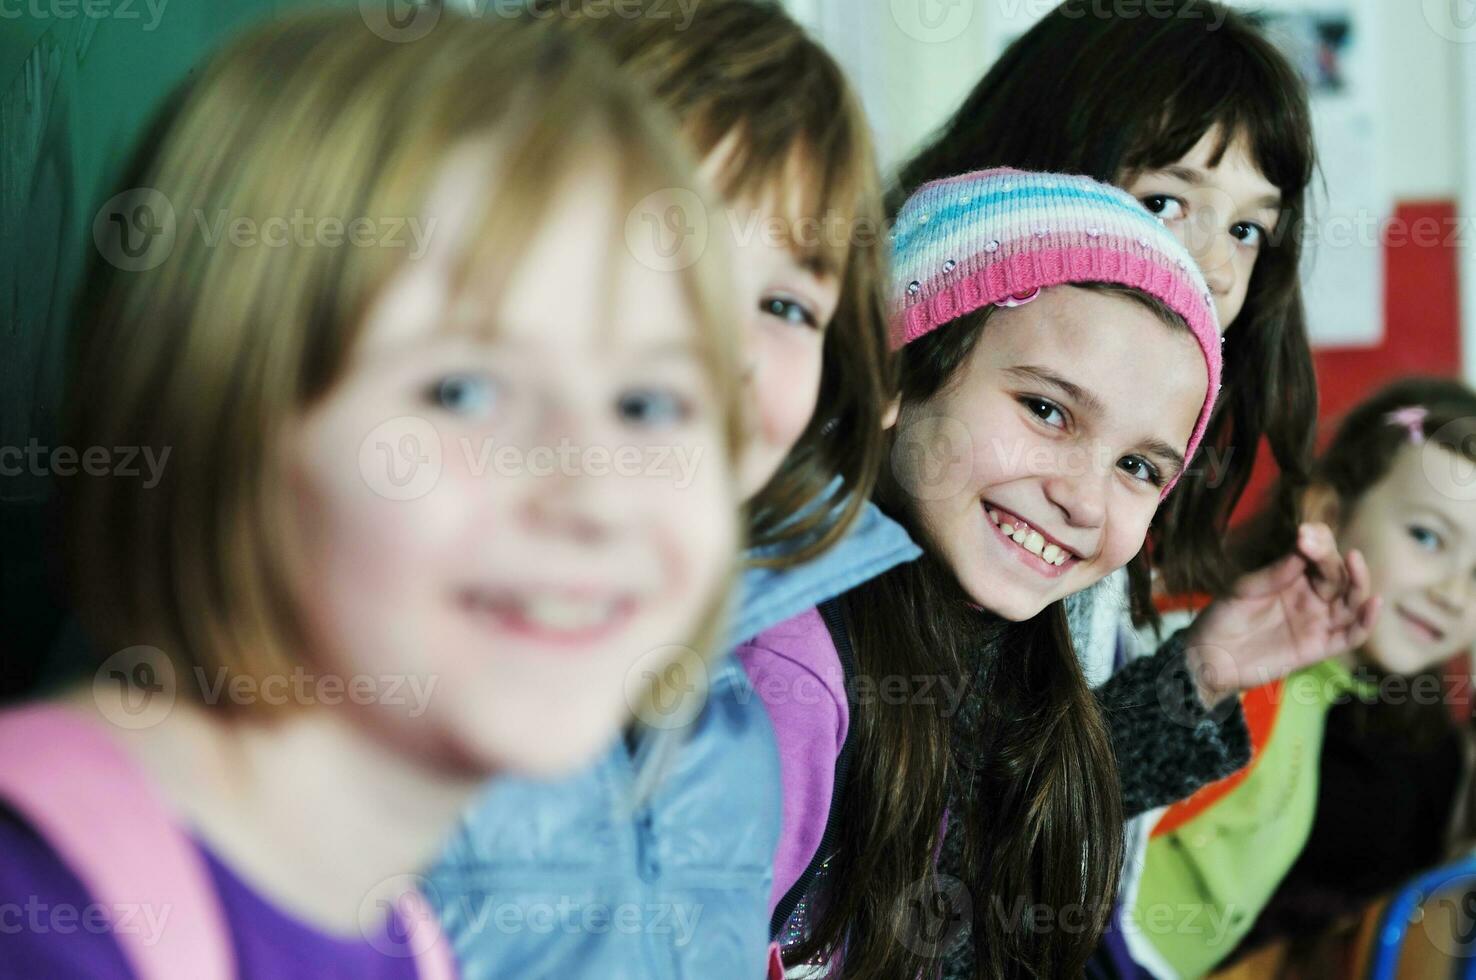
pixel 1413 419
pixel 1019 299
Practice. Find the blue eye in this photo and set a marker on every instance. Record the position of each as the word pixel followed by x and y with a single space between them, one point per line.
pixel 788 311
pixel 1044 410
pixel 1426 538
pixel 1249 233
pixel 469 395
pixel 1140 469
pixel 652 408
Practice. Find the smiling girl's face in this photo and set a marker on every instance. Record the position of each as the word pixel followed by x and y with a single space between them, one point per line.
pixel 787 302
pixel 1417 529
pixel 787 294
pixel 1221 211
pixel 1036 469
pixel 533 510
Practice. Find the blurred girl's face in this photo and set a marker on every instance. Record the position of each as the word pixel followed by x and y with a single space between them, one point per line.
pixel 1035 471
pixel 787 303
pixel 1417 528
pixel 530 514
pixel 1221 212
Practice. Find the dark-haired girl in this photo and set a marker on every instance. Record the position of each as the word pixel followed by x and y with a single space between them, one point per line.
pixel 1029 456
pixel 1197 115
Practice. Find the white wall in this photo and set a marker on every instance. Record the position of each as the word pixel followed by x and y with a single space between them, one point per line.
pixel 1398 134
pixel 913 60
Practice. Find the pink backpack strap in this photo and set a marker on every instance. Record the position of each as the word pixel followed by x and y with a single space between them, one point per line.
pixel 433 960
pixel 82 793
pixel 77 788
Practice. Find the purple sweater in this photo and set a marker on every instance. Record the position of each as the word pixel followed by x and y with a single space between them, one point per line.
pixel 797 671
pixel 50 926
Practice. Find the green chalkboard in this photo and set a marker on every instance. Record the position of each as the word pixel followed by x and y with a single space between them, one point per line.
pixel 79 81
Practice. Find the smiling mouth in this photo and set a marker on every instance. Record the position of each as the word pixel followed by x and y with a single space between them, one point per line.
pixel 549 616
pixel 1047 554
pixel 1422 626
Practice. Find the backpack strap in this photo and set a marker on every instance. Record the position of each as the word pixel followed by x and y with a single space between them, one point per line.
pixel 433 960
pixel 830 612
pixel 75 786
pixel 79 790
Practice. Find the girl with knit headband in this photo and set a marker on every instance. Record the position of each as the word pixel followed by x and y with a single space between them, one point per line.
pixel 1060 356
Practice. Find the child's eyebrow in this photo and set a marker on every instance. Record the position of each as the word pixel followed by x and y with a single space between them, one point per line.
pixel 1166 453
pixel 1429 511
pixel 1072 390
pixel 1196 178
pixel 821 263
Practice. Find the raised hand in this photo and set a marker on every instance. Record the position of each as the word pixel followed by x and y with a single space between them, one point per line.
pixel 1310 605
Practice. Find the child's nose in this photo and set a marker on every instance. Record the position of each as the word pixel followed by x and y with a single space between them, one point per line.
pixel 573 505
pixel 1216 258
pixel 1080 497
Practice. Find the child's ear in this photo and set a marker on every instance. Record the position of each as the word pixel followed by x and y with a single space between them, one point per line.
pixel 889 417
pixel 1320 505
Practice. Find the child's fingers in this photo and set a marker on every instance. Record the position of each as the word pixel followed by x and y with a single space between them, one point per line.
pixel 1273 578
pixel 1357 631
pixel 1369 614
pixel 1329 578
pixel 1360 582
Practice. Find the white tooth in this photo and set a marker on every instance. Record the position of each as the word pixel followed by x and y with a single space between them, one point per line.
pixel 1008 529
pixel 1060 559
pixel 993 515
pixel 1020 535
pixel 1050 553
pixel 560 613
pixel 1034 543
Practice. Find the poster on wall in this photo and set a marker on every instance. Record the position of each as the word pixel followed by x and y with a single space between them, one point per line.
pixel 1343 263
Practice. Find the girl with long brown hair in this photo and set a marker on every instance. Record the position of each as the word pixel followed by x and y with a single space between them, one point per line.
pixel 1027 459
pixel 1193 111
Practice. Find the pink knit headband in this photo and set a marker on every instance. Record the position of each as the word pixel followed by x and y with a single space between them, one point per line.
pixel 997 237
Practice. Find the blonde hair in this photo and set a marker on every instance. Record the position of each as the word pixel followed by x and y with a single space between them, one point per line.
pixel 216 349
pixel 744 69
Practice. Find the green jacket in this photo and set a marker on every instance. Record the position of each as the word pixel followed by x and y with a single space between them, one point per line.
pixel 1205 882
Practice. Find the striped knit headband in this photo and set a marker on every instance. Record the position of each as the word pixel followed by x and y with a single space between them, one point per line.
pixel 997 237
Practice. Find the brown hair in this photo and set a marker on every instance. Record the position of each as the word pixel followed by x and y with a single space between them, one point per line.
pixel 1028 768
pixel 1069 96
pixel 214 352
pixel 745 68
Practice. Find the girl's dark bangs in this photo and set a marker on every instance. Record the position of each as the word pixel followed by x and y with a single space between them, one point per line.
pixel 1242 91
